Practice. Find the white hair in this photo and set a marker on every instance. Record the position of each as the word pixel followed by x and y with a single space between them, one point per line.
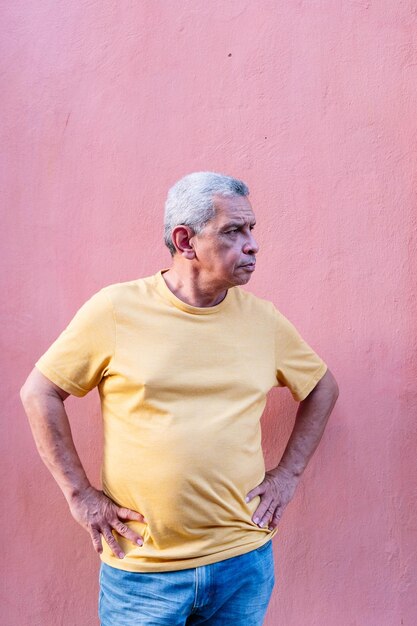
pixel 190 201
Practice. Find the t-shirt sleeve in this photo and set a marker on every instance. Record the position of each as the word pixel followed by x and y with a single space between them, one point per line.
pixel 80 357
pixel 298 367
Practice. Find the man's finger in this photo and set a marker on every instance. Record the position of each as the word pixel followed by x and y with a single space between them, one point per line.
pixel 276 517
pixel 112 543
pixel 268 515
pixel 127 532
pixel 261 514
pixel 96 539
pixel 255 492
pixel 134 516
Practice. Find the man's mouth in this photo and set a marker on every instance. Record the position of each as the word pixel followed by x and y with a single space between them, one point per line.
pixel 249 266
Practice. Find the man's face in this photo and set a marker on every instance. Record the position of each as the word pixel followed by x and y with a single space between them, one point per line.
pixel 226 249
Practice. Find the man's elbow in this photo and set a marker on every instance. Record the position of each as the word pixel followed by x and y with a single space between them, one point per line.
pixel 26 391
pixel 38 387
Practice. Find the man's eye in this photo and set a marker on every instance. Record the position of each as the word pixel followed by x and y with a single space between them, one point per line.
pixel 233 230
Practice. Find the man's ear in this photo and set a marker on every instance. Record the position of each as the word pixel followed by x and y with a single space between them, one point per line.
pixel 181 238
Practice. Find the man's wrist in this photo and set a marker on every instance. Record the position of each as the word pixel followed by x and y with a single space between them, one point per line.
pixel 290 472
pixel 78 492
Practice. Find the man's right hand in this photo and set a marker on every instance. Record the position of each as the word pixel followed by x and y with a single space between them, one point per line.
pixel 99 516
pixel 43 402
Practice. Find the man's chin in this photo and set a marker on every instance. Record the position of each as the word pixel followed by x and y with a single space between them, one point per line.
pixel 242 278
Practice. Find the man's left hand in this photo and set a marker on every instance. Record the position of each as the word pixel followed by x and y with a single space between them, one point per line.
pixel 275 491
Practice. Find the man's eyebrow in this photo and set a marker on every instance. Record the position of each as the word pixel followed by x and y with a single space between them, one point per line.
pixel 234 224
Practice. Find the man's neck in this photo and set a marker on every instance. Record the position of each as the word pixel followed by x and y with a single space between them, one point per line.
pixel 191 288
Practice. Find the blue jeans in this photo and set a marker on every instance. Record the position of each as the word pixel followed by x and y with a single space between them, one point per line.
pixel 232 592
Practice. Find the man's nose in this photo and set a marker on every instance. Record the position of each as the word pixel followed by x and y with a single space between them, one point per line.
pixel 251 245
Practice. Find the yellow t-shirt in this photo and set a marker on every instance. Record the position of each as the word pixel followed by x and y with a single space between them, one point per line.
pixel 182 390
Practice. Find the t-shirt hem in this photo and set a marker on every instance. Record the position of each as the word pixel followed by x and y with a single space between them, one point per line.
pixel 135 565
pixel 61 381
pixel 307 389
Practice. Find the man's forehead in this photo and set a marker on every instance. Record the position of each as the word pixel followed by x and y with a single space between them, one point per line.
pixel 233 209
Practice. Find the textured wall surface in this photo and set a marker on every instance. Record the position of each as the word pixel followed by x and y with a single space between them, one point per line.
pixel 104 105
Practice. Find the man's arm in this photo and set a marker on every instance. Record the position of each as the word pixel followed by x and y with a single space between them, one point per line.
pixel 278 487
pixel 43 402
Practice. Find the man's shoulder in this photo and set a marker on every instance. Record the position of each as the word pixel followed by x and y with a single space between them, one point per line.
pixel 126 292
pixel 127 286
pixel 250 301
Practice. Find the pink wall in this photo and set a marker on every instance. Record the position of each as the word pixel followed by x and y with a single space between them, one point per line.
pixel 105 104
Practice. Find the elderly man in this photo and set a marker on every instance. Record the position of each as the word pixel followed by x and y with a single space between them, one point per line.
pixel 183 361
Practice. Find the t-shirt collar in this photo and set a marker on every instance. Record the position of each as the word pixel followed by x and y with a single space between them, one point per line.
pixel 167 294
